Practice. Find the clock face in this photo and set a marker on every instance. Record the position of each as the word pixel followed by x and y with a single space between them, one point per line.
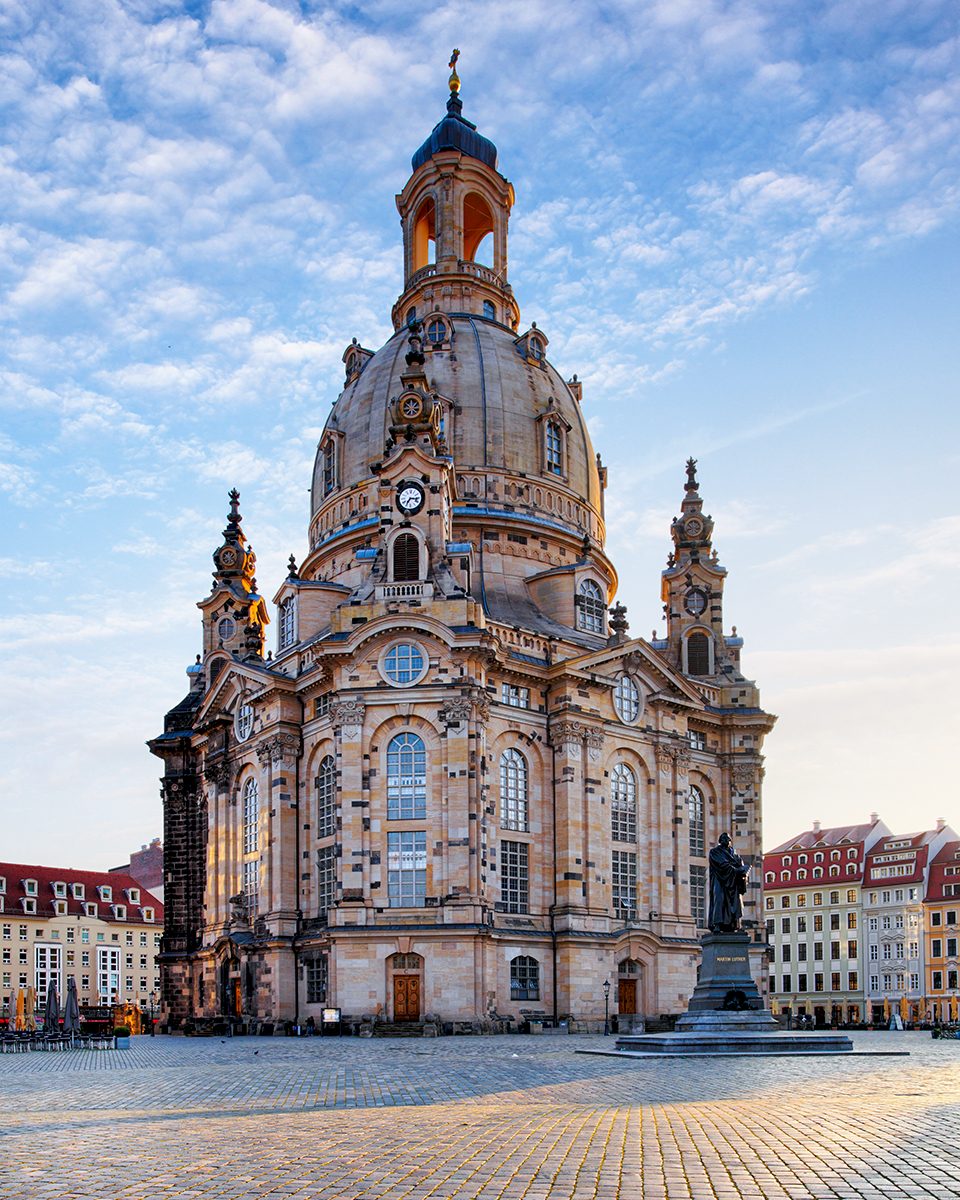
pixel 228 557
pixel 695 602
pixel 410 497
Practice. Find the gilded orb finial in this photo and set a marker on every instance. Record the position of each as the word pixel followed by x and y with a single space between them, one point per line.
pixel 454 77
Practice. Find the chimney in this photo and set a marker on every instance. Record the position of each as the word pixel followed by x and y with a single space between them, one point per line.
pixel 940 823
pixel 816 827
pixel 874 818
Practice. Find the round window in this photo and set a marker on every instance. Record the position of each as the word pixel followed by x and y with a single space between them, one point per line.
pixel 404 663
pixel 627 700
pixel 227 628
pixel 695 602
pixel 244 722
pixel 436 332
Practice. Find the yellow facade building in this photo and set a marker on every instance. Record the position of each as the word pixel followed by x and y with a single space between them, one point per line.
pixel 458 788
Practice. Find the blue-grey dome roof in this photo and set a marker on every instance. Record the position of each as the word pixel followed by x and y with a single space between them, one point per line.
pixel 454 132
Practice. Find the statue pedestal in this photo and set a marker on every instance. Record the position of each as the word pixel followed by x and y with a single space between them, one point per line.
pixel 725 968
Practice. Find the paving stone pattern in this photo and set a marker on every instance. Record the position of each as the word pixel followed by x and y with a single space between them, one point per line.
pixel 517 1118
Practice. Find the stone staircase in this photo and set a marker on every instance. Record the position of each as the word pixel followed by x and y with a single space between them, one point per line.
pixel 399 1029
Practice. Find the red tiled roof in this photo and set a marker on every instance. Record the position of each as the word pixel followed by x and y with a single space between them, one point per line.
pixel 16 873
pixel 825 837
pixel 947 857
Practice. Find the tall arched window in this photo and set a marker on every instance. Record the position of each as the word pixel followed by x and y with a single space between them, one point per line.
pixel 424 237
pixel 695 809
pixel 524 978
pixel 623 804
pixel 406 778
pixel 251 817
pixel 330 465
pixel 406 559
pixel 327 798
pixel 514 806
pixel 590 607
pixel 698 654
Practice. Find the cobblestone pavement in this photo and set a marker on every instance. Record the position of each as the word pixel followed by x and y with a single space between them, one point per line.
pixel 518 1118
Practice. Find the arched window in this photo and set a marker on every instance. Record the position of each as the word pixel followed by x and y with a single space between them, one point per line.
pixel 524 978
pixel 514 807
pixel 695 811
pixel 553 446
pixel 834 871
pixel 801 874
pixel 489 311
pixel 626 699
pixel 477 225
pixel 769 877
pixel 851 868
pixel 327 798
pixel 698 654
pixel 251 817
pixel 818 857
pixel 787 860
pixel 436 331
pixel 784 876
pixel 406 778
pixel 818 872
pixel 406 559
pixel 590 607
pixel 425 236
pixel 623 804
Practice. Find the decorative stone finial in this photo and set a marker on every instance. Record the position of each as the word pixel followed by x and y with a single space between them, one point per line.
pixel 454 77
pixel 415 353
pixel 691 484
pixel 618 620
pixel 292 568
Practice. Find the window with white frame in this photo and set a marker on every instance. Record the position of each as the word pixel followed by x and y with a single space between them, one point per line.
pixel 251 817
pixel 48 966
pixel 288 623
pixel 108 974
pixel 407 868
pixel 590 607
pixel 624 880
pixel 406 778
pixel 697 739
pixel 626 699
pixel 515 696
pixel 326 785
pixel 623 804
pixel 251 885
pixel 514 877
pixel 514 801
pixel 695 811
pixel 316 972
pixel 553 448
pixel 326 878
pixel 698 894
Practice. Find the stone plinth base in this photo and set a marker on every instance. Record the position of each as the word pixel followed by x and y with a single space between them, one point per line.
pixel 757 1020
pixel 732 1044
pixel 725 968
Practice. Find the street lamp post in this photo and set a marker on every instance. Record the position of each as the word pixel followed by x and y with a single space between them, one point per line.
pixel 153 997
pixel 606 1008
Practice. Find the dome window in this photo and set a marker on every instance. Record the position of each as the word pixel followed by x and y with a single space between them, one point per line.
pixel 489 311
pixel 554 448
pixel 436 332
pixel 533 345
pixel 590 607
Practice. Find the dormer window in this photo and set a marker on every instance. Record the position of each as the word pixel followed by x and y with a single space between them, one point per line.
pixel 852 853
pixel 3 885
pixel 78 891
pixel 835 854
pixel 105 893
pixel 818 857
pixel 590 607
pixel 787 860
pixel 119 911
pixel 147 914
pixel 29 904
pixel 801 858
pixel 437 332
pixel 554 448
pixel 90 909
pixel 30 886
pixel 59 889
pixel 288 623
pixel 818 872
pixel 133 895
pixel 60 908
pixel 769 877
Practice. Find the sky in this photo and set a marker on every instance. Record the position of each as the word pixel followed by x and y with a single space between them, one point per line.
pixel 736 222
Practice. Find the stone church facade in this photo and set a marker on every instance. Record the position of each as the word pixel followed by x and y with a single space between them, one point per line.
pixel 455 785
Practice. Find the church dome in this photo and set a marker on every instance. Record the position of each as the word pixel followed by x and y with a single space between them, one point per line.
pixel 454 132
pixel 495 402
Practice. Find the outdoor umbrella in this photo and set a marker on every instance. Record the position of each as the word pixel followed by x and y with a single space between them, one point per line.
pixel 51 1010
pixel 11 1012
pixel 71 1008
pixel 29 1011
pixel 904 1009
pixel 886 1009
pixel 19 1020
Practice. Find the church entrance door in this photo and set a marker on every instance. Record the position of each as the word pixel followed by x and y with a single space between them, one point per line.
pixel 627 995
pixel 406 997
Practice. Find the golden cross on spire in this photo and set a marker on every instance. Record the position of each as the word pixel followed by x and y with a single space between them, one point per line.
pixel 454 77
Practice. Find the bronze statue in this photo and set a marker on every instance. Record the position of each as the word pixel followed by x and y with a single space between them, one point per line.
pixel 728 882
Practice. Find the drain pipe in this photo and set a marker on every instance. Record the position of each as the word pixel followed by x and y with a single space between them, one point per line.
pixel 553 906
pixel 299 925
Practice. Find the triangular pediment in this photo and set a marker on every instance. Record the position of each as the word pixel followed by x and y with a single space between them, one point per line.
pixel 638 657
pixel 236 679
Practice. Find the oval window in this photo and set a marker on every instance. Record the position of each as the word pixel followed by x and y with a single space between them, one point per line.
pixel 244 722
pixel 404 663
pixel 626 699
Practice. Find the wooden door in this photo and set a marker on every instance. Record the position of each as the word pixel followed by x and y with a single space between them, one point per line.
pixel 406 997
pixel 627 995
pixel 235 997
